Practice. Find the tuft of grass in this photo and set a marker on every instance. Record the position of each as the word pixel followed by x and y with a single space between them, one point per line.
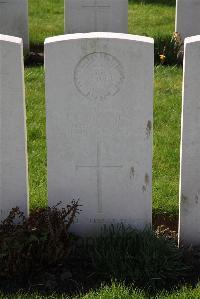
pixel 21 295
pixel 120 291
pixel 115 291
pixel 170 48
pixel 142 257
pixel 186 292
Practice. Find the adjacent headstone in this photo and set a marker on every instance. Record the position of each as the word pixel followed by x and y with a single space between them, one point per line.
pixel 99 98
pixel 189 226
pixel 14 19
pixel 13 162
pixel 82 16
pixel 188 17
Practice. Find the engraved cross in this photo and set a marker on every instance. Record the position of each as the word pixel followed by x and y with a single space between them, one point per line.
pixel 99 167
pixel 96 5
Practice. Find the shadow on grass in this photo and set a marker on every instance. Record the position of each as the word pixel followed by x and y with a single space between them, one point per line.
pixel 47 260
pixel 162 45
pixel 36 55
pixel 171 3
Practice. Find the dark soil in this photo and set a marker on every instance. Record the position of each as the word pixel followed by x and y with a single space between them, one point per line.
pixel 34 58
pixel 165 220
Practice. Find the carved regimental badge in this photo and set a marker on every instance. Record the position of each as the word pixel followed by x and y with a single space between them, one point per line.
pixel 98 76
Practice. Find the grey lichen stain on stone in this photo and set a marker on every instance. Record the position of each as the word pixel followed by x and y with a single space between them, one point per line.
pixel 148 128
pixel 184 198
pixel 196 198
pixel 146 182
pixel 144 188
pixel 146 179
pixel 197 195
pixel 132 173
pixel 185 205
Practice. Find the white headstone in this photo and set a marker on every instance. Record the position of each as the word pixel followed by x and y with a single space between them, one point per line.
pixel 99 98
pixel 14 19
pixel 82 16
pixel 188 17
pixel 189 226
pixel 13 162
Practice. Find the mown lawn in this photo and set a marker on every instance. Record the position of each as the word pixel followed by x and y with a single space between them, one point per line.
pixel 146 17
pixel 35 106
pixel 167 121
pixel 46 18
pixel 152 17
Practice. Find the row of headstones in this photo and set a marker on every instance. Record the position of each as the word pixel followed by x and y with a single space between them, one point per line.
pixel 83 16
pixel 99 107
pixel 80 16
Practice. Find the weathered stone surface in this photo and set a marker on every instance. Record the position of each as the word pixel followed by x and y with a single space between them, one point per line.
pixel 82 16
pixel 99 98
pixel 189 224
pixel 188 17
pixel 14 19
pixel 13 160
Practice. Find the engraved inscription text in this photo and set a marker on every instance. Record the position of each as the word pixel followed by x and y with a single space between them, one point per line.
pixel 98 76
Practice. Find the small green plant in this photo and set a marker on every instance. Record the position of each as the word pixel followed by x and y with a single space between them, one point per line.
pixel 169 50
pixel 29 246
pixel 129 255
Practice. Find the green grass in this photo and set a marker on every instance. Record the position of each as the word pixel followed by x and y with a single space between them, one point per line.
pixel 46 18
pixel 35 106
pixel 167 120
pixel 116 291
pixel 121 292
pixel 152 17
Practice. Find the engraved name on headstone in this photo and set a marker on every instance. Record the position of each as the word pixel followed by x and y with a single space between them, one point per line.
pixel 104 99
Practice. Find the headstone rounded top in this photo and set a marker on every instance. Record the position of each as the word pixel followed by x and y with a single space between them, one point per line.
pixel 192 39
pixel 98 76
pixel 10 39
pixel 98 35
